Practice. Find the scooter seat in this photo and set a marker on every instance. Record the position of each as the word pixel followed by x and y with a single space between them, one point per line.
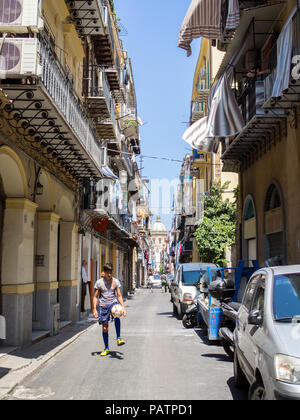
pixel 234 305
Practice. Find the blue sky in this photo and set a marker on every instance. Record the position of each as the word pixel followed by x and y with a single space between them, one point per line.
pixel 163 78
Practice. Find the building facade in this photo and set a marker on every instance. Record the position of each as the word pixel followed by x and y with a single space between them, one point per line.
pixel 67 171
pixel 266 152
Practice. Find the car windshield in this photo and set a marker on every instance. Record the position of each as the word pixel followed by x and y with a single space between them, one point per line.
pixel 156 277
pixel 286 297
pixel 192 277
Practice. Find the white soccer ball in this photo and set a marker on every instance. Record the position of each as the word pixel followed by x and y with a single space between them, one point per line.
pixel 117 311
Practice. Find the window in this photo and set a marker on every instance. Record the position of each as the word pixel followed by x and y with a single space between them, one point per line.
pixel 259 300
pixel 250 211
pixel 273 200
pixel 286 300
pixel 250 292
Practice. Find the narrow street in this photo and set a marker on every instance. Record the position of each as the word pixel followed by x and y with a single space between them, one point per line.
pixel 161 361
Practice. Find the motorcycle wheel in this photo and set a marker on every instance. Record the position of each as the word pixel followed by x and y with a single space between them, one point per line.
pixel 187 322
pixel 228 348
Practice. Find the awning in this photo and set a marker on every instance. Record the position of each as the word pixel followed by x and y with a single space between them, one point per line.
pixel 224 119
pixel 197 136
pixel 203 19
pixel 108 173
pixel 234 14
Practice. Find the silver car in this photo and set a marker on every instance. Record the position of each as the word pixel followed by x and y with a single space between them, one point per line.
pixel 267 336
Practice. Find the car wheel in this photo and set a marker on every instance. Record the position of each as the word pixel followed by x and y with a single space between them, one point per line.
pixel 257 392
pixel 179 313
pixel 240 379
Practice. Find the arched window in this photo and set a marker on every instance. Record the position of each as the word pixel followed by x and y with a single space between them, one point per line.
pixel 273 200
pixel 250 213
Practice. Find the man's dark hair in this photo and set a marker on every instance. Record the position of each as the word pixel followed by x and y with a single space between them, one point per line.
pixel 108 267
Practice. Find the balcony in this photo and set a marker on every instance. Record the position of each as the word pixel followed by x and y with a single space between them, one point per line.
pixel 87 16
pixel 197 111
pixel 99 100
pixel 229 33
pixel 106 127
pixel 49 118
pixel 124 162
pixel 260 124
pixel 106 53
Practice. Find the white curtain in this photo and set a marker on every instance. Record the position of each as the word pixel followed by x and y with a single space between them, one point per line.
pixel 224 119
pixel 284 55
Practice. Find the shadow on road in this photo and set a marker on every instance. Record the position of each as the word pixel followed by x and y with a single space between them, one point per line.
pixel 169 314
pixel 112 355
pixel 4 372
pixel 237 394
pixel 219 357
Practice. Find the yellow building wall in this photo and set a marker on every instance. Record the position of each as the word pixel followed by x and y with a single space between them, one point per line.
pixel 68 46
pixel 280 163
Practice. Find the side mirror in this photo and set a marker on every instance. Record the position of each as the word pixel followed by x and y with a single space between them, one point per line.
pixel 255 318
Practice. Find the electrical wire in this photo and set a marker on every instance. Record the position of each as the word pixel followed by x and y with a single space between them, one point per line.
pixel 163 158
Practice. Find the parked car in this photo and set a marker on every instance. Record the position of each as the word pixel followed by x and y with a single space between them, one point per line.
pixel 183 289
pixel 156 281
pixel 267 336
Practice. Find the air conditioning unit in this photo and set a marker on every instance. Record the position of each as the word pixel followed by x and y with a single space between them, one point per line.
pixel 18 16
pixel 20 57
pixel 104 156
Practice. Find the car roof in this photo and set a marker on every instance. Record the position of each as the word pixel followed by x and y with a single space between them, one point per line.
pixel 281 270
pixel 196 266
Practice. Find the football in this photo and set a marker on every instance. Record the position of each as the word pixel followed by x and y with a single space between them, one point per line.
pixel 117 311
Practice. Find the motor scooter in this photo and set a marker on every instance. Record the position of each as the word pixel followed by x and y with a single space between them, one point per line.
pixel 190 318
pixel 224 290
pixel 230 310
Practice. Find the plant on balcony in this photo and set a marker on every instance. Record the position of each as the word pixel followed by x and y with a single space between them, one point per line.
pixel 217 231
pixel 129 127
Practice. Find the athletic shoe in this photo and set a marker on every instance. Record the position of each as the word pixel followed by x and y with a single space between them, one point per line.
pixel 105 353
pixel 120 342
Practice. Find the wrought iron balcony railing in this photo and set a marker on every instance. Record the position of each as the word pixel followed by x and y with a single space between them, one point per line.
pixel 71 107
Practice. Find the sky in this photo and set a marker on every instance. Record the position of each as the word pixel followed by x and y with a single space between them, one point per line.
pixel 163 76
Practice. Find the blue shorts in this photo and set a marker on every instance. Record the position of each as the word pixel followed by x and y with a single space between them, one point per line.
pixel 104 313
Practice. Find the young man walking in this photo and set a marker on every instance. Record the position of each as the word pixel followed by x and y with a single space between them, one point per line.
pixel 108 292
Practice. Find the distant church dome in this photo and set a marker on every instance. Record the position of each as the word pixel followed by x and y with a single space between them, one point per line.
pixel 159 226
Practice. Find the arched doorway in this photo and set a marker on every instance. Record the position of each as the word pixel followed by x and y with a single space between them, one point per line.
pixel 249 231
pixel 274 226
pixel 17 248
